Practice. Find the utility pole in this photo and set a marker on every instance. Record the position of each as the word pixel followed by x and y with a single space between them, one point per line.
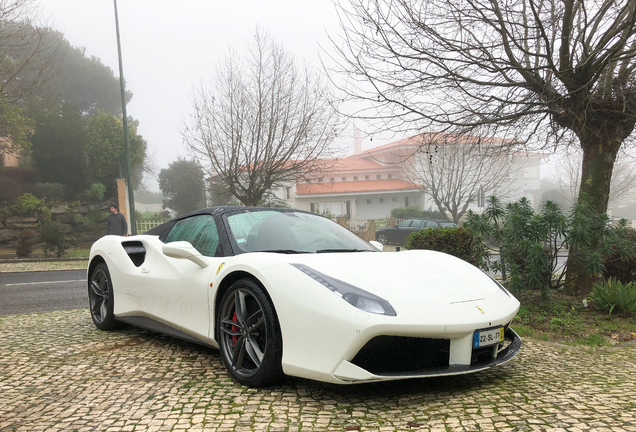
pixel 131 195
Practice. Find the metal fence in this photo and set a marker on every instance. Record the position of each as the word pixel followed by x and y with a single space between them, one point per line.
pixel 147 225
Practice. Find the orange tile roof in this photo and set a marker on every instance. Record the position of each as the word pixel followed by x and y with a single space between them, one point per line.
pixel 349 163
pixel 354 186
pixel 435 138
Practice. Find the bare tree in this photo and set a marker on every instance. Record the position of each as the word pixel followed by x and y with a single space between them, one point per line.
pixel 455 170
pixel 531 70
pixel 262 121
pixel 623 183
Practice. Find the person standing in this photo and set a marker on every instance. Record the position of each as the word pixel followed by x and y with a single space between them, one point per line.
pixel 116 223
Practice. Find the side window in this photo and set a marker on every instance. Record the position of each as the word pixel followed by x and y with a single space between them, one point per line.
pixel 431 225
pixel 417 224
pixel 200 231
pixel 404 224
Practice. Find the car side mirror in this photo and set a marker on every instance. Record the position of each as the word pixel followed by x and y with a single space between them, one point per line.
pixel 184 250
pixel 379 246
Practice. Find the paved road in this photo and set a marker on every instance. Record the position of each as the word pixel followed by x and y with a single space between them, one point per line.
pixel 29 292
pixel 59 373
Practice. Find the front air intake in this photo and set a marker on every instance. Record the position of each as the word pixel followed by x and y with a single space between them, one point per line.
pixel 401 355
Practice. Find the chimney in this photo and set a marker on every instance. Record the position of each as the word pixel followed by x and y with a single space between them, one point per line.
pixel 357 141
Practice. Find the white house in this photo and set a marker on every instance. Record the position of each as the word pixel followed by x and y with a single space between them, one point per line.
pixel 368 184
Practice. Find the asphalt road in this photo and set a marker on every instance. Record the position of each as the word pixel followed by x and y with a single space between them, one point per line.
pixel 30 292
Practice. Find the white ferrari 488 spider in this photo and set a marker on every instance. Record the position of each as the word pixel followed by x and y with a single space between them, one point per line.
pixel 281 291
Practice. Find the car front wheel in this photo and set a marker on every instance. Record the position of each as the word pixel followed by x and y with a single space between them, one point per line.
pixel 100 297
pixel 249 335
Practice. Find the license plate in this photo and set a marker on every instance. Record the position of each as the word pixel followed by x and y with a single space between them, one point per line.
pixel 484 338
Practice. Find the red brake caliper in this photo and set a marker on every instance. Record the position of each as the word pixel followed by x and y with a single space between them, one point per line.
pixel 234 328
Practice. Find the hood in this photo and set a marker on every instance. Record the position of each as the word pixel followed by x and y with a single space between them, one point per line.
pixel 410 276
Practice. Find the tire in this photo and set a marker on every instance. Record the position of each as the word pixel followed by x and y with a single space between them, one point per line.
pixel 249 336
pixel 382 238
pixel 100 298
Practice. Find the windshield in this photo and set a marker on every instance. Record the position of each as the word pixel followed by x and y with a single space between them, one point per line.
pixel 292 232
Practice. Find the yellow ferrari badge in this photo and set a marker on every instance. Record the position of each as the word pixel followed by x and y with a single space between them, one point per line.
pixel 219 268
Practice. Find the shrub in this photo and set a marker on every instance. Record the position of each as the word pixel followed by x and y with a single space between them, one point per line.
pixel 50 191
pixel 95 192
pixel 615 295
pixel 27 204
pixel 26 243
pixel 51 234
pixel 622 268
pixel 460 242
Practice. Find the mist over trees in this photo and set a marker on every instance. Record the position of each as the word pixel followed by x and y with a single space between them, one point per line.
pixel 183 185
pixel 261 121
pixel 60 111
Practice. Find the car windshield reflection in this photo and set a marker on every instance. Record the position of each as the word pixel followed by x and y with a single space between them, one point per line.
pixel 292 232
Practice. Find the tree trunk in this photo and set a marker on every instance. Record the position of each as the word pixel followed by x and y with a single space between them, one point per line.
pixel 599 155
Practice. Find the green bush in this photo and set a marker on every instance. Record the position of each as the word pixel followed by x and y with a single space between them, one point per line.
pixel 622 268
pixel 615 295
pixel 460 242
pixel 26 243
pixel 27 204
pixel 95 192
pixel 529 244
pixel 50 191
pixel 54 240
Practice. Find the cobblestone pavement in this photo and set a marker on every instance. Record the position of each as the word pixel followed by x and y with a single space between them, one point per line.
pixel 59 373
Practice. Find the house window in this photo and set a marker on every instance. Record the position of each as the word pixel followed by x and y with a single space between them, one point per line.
pixel 378 176
pixel 288 192
pixel 344 179
pixel 406 201
pixel 389 176
pixel 355 177
pixel 394 199
pixel 312 207
pixel 332 179
pixel 366 177
pixel 381 200
pixel 369 201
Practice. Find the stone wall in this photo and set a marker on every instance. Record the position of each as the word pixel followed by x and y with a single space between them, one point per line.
pixel 76 231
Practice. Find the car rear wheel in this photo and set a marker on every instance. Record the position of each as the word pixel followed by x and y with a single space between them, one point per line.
pixel 383 238
pixel 249 335
pixel 100 297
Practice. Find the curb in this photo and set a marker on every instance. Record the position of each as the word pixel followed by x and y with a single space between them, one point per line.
pixel 35 260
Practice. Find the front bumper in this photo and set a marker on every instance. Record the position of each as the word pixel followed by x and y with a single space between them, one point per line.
pixel 437 363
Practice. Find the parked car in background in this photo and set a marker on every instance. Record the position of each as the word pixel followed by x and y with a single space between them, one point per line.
pixel 397 234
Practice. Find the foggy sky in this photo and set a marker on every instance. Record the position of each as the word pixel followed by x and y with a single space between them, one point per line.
pixel 169 46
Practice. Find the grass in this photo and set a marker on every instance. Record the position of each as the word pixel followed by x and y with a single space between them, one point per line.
pixel 564 319
pixel 78 253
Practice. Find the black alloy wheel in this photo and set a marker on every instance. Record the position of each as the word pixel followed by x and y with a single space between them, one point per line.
pixel 249 335
pixel 100 297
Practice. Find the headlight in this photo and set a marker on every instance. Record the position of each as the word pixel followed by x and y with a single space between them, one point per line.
pixel 353 295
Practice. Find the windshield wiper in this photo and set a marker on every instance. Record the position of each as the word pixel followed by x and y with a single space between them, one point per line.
pixel 342 250
pixel 283 251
